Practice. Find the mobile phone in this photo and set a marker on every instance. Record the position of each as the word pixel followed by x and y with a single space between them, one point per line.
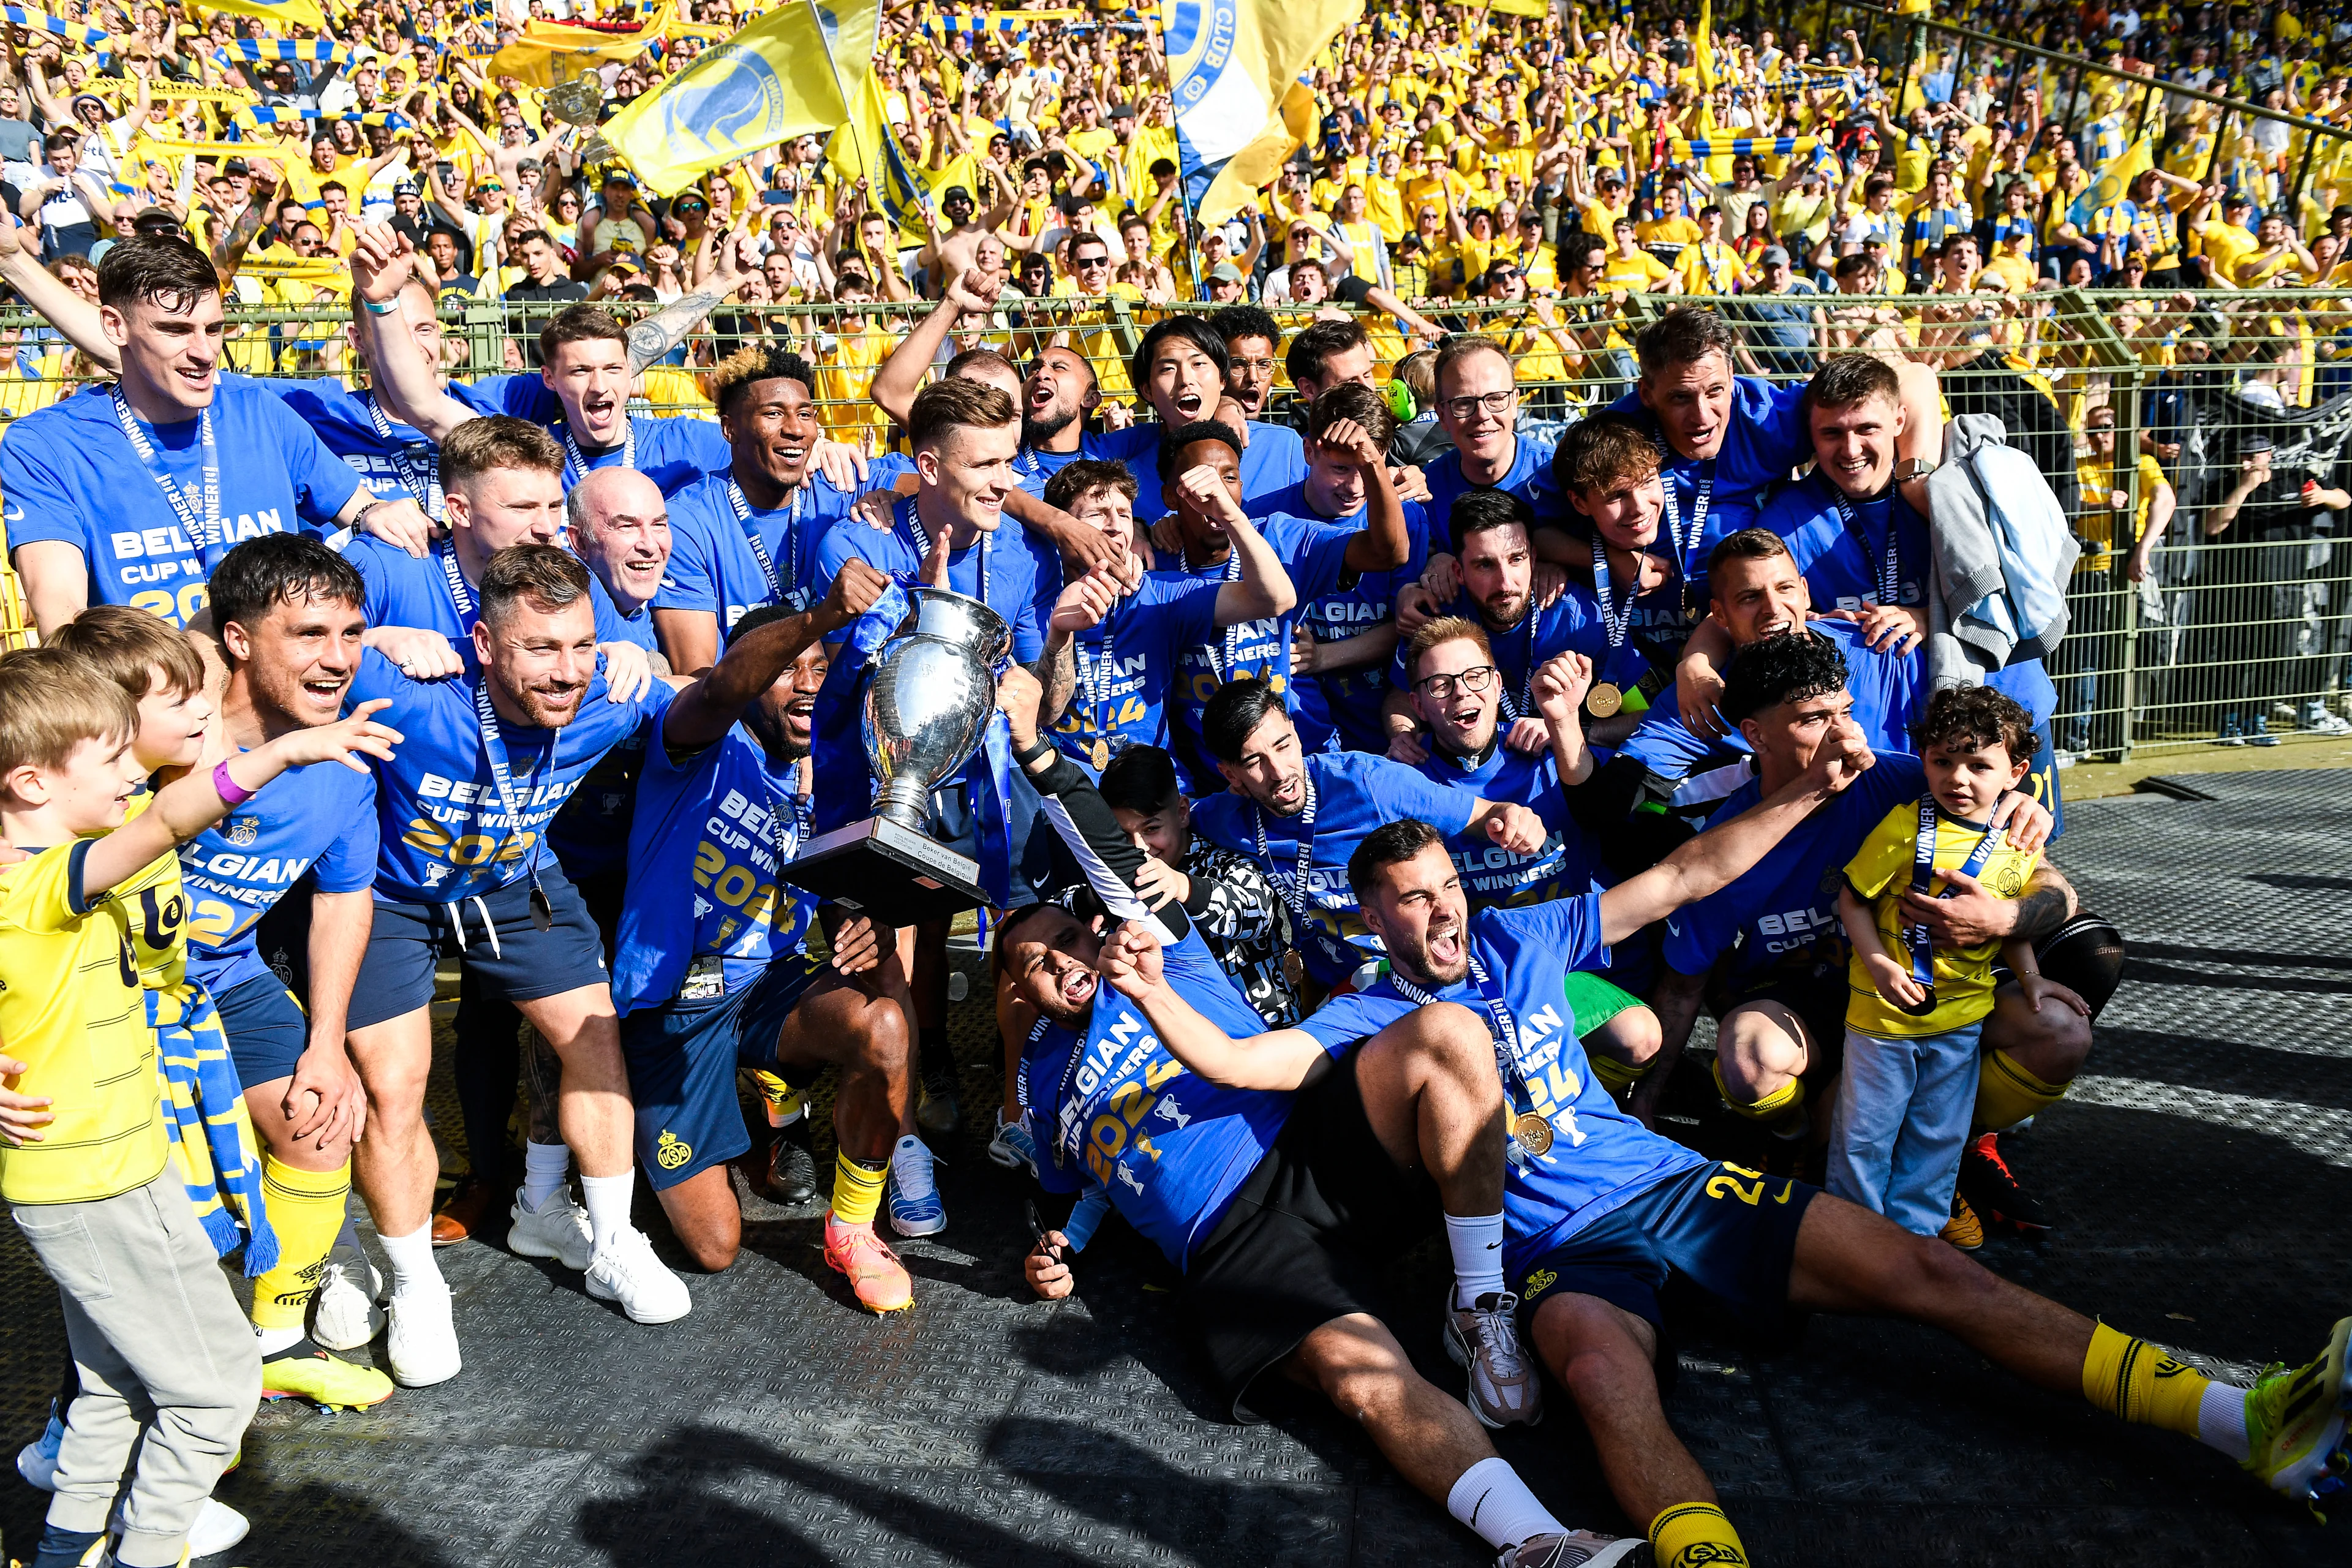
pixel 775 199
pixel 1037 1230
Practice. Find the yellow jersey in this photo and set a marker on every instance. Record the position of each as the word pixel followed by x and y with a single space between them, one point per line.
pixel 2096 525
pixel 71 1010
pixel 1880 872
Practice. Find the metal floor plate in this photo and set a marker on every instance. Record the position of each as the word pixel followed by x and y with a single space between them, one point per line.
pixel 2201 1173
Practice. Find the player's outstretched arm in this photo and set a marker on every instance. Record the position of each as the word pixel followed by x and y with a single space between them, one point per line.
pixel 706 710
pixel 1717 856
pixel 1280 1060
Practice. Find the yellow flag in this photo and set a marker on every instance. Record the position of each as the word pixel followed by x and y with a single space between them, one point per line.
pixel 551 52
pixel 1233 65
pixel 792 71
pixel 864 147
pixel 1703 45
pixel 1259 162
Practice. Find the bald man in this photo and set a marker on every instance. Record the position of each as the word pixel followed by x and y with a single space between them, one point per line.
pixel 620 527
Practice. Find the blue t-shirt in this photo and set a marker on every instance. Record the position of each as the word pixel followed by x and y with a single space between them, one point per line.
pixel 1572 624
pixel 1600 1157
pixel 712 566
pixel 442 824
pixel 321 816
pixel 1780 920
pixel 341 414
pixel 1315 554
pixel 1036 469
pixel 711 830
pixel 1126 665
pixel 672 452
pixel 1764 438
pixel 404 591
pixel 70 475
pixel 1348 700
pixel 1274 458
pixel 1529 478
pixel 1842 567
pixel 1355 792
pixel 1491 874
pixel 1169 1149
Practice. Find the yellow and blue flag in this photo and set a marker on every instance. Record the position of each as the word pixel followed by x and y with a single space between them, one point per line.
pixel 864 147
pixel 796 70
pixel 2114 183
pixel 285 12
pixel 1234 64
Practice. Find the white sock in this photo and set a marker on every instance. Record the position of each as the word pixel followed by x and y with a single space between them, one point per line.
pixel 2221 1420
pixel 544 1166
pixel 275 1339
pixel 607 1202
pixel 1476 1244
pixel 1490 1498
pixel 410 1257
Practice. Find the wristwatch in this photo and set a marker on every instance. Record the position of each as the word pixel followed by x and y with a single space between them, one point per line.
pixel 1912 469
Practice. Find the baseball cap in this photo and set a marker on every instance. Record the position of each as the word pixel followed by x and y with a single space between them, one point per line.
pixel 1225 272
pixel 1122 111
pixel 404 188
pixel 237 166
pixel 1773 255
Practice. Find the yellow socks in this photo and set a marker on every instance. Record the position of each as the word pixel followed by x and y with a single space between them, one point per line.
pixel 2141 1383
pixel 1616 1077
pixel 858 1189
pixel 1692 1534
pixel 2007 1094
pixel 1771 1108
pixel 784 1102
pixel 306 1210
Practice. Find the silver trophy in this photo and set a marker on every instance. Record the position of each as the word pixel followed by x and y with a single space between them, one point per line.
pixel 578 101
pixel 925 708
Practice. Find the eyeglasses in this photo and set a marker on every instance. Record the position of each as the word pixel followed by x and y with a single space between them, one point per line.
pixel 1091 261
pixel 1474 679
pixel 1254 366
pixel 1464 408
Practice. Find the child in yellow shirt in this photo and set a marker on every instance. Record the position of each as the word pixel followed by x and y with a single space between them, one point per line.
pixel 1913 1013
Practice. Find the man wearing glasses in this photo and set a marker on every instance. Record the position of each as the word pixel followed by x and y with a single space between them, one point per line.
pixel 1478 408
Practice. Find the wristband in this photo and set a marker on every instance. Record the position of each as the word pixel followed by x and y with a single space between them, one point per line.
pixel 1043 748
pixel 231 792
pixel 381 307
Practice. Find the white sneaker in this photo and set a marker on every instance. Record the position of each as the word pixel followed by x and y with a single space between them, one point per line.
pixel 559 1231
pixel 422 1344
pixel 344 1315
pixel 625 1270
pixel 913 1190
pixel 36 1461
pixel 218 1527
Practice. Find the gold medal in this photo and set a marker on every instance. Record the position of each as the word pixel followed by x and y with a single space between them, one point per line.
pixel 1293 968
pixel 1532 1132
pixel 1102 754
pixel 1603 700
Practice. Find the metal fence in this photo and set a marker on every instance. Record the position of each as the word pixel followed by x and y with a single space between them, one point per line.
pixel 2237 623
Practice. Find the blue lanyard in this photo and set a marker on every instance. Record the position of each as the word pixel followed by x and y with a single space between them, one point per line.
pixel 1684 550
pixel 460 595
pixel 1501 1027
pixel 786 590
pixel 1302 895
pixel 575 464
pixel 203 525
pixel 1923 872
pixel 1890 569
pixel 1618 623
pixel 418 475
pixel 911 521
pixel 494 747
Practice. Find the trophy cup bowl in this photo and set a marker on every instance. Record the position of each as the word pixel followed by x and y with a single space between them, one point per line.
pixel 922 714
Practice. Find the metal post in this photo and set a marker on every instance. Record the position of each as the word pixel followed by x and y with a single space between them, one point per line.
pixel 2128 453
pixel 2213 159
pixel 2301 186
pixel 2147 108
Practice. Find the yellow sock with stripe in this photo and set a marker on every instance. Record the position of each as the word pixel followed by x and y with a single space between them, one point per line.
pixel 858 1189
pixel 784 1102
pixel 2142 1382
pixel 1771 1108
pixel 2007 1094
pixel 306 1209
pixel 1692 1534
pixel 1618 1078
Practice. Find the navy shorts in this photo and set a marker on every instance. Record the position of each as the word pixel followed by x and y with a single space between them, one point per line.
pixel 682 1057
pixel 492 936
pixel 266 1031
pixel 1725 1228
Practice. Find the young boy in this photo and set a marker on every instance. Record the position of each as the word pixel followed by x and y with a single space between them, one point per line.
pixel 306 1180
pixel 1914 1013
pixel 1607 468
pixel 151 1322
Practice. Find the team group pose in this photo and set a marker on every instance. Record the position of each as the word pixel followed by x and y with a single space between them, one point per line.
pixel 1378 833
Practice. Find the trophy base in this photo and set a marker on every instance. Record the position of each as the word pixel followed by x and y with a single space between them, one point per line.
pixel 891 874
